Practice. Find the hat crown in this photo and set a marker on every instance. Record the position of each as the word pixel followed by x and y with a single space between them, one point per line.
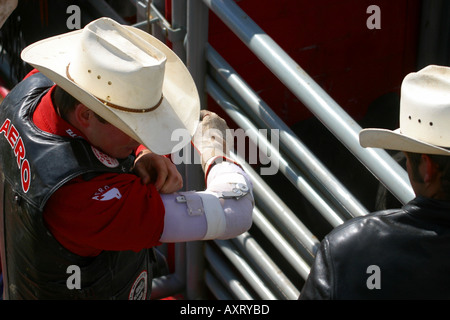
pixel 117 66
pixel 425 106
pixel 129 71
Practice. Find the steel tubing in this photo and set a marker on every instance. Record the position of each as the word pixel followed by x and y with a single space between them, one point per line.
pixel 379 162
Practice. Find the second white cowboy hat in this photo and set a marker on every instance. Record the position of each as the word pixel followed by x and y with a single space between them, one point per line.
pixel 127 77
pixel 424 115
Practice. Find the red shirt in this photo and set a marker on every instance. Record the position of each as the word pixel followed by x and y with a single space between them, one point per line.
pixel 109 212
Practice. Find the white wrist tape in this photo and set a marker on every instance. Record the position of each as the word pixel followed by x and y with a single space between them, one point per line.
pixel 215 216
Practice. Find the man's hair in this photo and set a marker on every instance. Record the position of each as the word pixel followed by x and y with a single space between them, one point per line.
pixel 66 104
pixel 443 163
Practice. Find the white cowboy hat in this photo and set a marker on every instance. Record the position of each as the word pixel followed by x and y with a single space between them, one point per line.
pixel 424 115
pixel 127 77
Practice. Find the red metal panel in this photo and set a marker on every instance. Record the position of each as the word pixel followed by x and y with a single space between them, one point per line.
pixel 330 40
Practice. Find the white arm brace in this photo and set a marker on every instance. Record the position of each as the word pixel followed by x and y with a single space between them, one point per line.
pixel 222 211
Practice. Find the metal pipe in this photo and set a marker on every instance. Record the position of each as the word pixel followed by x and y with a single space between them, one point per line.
pixel 215 287
pixel 166 286
pixel 306 243
pixel 249 247
pixel 197 35
pixel 245 270
pixel 253 104
pixel 195 267
pixel 313 96
pixel 225 274
pixel 173 283
pixel 281 244
pixel 179 20
pixel 294 176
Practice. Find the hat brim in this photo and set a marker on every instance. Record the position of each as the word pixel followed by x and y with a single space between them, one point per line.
pixel 179 110
pixel 395 140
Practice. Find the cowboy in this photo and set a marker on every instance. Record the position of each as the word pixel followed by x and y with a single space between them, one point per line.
pixel 86 181
pixel 399 253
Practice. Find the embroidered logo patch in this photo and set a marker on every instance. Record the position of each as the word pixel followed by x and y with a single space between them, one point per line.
pixel 139 289
pixel 106 193
pixel 108 161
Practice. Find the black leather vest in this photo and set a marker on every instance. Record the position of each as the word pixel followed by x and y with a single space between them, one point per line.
pixel 33 164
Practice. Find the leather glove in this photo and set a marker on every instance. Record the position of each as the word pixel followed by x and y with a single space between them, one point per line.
pixel 210 138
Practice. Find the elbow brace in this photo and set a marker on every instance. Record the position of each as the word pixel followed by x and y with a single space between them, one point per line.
pixel 222 211
pixel 215 206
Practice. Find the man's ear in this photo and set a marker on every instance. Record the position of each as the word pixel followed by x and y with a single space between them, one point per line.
pixel 82 115
pixel 431 169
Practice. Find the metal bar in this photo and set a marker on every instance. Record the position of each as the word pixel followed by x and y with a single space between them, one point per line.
pixel 173 283
pixel 226 275
pixel 260 110
pixel 195 267
pixel 281 244
pixel 245 269
pixel 313 96
pixel 271 272
pixel 306 243
pixel 215 287
pixel 154 7
pixel 197 37
pixel 179 21
pixel 169 32
pixel 294 176
pixel 166 286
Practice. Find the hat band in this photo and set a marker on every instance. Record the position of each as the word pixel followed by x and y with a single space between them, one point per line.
pixel 115 106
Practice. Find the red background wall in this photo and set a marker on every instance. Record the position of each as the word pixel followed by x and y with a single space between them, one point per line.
pixel 329 39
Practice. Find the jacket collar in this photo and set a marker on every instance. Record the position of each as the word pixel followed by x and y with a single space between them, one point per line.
pixel 429 209
pixel 47 119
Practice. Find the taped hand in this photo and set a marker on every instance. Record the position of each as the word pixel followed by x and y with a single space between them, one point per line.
pixel 210 139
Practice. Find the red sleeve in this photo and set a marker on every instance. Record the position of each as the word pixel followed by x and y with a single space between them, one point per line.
pixel 139 149
pixel 109 212
pixel 142 148
pixel 34 71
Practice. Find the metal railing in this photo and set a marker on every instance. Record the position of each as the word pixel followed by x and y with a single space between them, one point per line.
pixel 269 261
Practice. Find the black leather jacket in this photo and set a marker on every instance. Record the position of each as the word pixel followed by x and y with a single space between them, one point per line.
pixel 391 254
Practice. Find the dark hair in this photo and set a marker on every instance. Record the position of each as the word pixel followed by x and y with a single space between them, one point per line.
pixel 66 103
pixel 443 163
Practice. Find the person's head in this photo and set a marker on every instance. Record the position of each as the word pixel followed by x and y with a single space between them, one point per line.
pixel 101 134
pixel 127 77
pixel 429 175
pixel 424 133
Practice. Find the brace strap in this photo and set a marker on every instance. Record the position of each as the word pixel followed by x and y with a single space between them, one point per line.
pixel 215 217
